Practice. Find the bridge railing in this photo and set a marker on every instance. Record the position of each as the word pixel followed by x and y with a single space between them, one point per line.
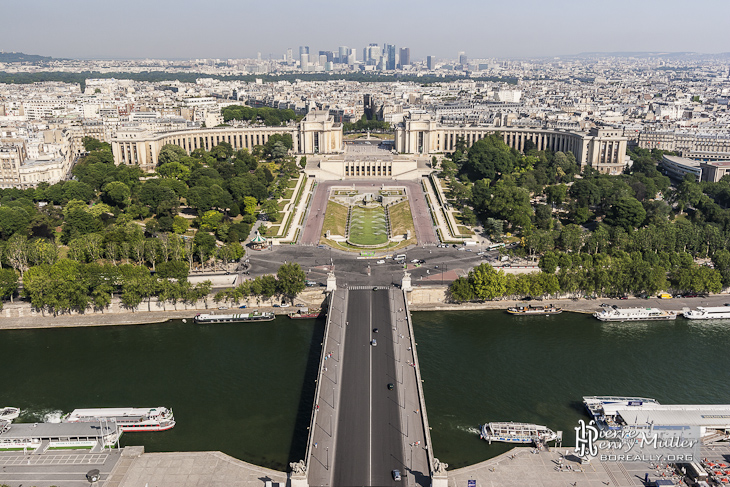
pixel 313 420
pixel 419 385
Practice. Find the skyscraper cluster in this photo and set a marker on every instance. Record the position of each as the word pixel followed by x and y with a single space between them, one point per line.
pixel 385 58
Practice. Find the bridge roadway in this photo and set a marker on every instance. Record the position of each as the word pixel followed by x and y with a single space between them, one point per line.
pixel 362 430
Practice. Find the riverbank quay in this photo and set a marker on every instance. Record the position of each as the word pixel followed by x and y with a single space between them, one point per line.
pixel 560 467
pixel 131 467
pixel 21 315
pixel 189 469
pixel 434 299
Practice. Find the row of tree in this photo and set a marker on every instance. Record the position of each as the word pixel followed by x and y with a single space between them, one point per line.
pixel 271 117
pixel 602 274
pixel 166 252
pixel 69 285
pixel 289 281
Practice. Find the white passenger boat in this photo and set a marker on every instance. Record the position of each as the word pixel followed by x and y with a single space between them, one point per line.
pixel 708 313
pixel 9 414
pixel 614 313
pixel 235 318
pixel 534 310
pixel 603 409
pixel 509 432
pixel 128 419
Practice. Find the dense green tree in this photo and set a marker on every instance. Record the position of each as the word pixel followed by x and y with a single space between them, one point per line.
pixel 13 220
pixel 627 213
pixel 489 158
pixel 75 190
pixel 174 269
pixel 78 223
pixel 204 246
pixel 290 280
pixel 8 284
pixel 461 290
pixel 486 282
pixel 116 193
pixel 158 198
pixel 511 203
pixel 170 153
pixel 91 144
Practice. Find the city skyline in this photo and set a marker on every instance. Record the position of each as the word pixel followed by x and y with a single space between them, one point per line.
pixel 174 30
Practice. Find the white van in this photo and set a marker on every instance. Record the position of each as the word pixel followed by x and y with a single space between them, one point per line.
pixel 400 257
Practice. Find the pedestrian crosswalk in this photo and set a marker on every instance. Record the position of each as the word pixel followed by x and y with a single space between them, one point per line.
pixel 371 288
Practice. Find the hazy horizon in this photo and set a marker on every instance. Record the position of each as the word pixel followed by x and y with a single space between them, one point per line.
pixel 223 29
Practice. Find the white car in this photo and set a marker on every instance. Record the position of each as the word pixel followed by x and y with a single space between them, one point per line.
pixel 222 307
pixel 380 262
pixel 285 305
pixel 415 261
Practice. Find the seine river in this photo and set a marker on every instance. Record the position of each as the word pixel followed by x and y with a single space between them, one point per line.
pixel 247 389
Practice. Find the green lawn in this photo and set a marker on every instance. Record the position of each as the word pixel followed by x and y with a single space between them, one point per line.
pixel 401 219
pixel 288 194
pixel 293 183
pixel 464 230
pixel 335 219
pixel 367 226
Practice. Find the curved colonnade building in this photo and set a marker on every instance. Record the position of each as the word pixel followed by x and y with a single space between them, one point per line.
pixel 316 134
pixel 417 136
pixel 603 149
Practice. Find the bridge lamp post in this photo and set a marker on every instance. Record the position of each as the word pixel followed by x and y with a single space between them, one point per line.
pixel 328 457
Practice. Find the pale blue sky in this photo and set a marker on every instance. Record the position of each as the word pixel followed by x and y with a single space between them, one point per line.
pixel 241 28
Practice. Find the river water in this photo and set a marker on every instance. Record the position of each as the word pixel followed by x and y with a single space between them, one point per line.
pixel 247 389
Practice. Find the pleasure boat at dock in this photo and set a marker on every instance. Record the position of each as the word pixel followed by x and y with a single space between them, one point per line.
pixel 604 409
pixel 708 313
pixel 128 419
pixel 303 314
pixel 534 310
pixel 9 414
pixel 614 313
pixel 234 318
pixel 510 432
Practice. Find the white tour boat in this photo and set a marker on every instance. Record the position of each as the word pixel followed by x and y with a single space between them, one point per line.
pixel 708 313
pixel 128 419
pixel 603 409
pixel 509 432
pixel 614 313
pixel 9 413
pixel 235 318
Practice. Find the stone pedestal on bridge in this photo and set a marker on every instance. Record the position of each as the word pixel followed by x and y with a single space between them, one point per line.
pixel 439 477
pixel 331 282
pixel 406 282
pixel 298 474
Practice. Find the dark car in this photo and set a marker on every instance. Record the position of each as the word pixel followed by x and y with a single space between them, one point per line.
pixel 390 386
pixel 375 330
